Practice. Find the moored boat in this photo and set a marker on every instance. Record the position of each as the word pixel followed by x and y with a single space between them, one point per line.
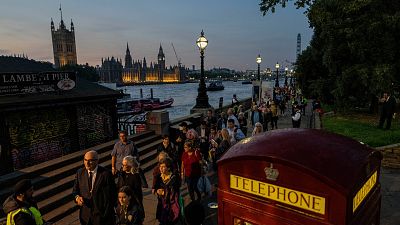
pixel 246 82
pixel 215 86
pixel 135 106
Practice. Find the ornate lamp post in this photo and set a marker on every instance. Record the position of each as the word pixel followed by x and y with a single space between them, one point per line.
pixel 277 74
pixel 202 97
pixel 286 75
pixel 258 61
pixel 291 77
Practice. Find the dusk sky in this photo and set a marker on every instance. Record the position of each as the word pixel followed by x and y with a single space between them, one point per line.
pixel 236 30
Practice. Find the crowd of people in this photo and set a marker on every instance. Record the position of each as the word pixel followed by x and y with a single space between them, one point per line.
pixel 266 112
pixel 115 196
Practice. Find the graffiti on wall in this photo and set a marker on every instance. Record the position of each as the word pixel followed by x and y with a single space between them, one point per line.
pixel 38 136
pixel 94 125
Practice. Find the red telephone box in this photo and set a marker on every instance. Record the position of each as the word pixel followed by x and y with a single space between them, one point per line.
pixel 299 177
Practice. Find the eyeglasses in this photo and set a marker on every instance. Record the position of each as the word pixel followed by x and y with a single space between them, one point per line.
pixel 90 160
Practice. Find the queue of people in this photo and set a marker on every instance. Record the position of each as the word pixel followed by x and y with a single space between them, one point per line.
pixel 115 197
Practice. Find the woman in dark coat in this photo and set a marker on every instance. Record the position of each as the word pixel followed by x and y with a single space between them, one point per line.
pixel 168 147
pixel 129 176
pixel 128 211
pixel 167 191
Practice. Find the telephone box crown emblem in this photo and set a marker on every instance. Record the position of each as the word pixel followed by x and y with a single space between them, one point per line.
pixel 271 173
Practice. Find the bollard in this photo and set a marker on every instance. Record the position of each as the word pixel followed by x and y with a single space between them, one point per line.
pixel 141 93
pixel 221 102
pixel 151 92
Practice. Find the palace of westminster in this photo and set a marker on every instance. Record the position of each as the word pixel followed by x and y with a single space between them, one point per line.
pixel 111 69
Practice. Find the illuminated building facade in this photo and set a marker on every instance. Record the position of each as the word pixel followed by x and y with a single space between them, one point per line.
pixel 64 47
pixel 139 71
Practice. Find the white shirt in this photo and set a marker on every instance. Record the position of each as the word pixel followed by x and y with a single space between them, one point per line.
pixel 203 132
pixel 94 173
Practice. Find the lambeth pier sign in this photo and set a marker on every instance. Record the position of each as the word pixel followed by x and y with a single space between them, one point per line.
pixel 25 83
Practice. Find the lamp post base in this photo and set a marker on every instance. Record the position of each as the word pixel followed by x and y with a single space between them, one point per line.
pixel 200 110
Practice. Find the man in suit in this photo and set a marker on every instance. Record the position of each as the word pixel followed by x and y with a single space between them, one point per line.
pixel 388 110
pixel 95 192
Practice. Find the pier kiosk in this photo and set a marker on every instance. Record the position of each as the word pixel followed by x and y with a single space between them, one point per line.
pixel 299 177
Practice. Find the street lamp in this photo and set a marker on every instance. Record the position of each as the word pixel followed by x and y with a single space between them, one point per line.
pixel 291 77
pixel 202 97
pixel 286 75
pixel 258 61
pixel 277 74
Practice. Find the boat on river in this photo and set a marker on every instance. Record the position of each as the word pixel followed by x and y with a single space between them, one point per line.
pixel 215 86
pixel 246 82
pixel 136 106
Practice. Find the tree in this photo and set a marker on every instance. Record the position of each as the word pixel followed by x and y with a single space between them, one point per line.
pixel 85 71
pixel 270 5
pixel 355 44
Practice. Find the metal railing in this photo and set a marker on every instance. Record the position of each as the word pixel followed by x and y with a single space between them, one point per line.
pixel 133 124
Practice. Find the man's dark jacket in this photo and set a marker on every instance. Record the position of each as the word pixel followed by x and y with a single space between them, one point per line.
pixel 99 206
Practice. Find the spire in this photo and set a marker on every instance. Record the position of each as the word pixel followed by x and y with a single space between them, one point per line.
pixel 52 24
pixel 128 57
pixel 72 26
pixel 61 12
pixel 62 25
pixel 160 51
pixel 144 63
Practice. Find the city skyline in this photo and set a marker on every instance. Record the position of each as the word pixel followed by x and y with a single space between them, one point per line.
pixel 237 32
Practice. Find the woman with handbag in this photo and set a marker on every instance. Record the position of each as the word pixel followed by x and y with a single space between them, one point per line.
pixel 167 190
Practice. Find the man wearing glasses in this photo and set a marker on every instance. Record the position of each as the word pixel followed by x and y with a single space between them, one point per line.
pixel 122 148
pixel 95 192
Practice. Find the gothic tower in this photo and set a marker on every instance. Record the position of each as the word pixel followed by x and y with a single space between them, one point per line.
pixel 128 57
pixel 144 70
pixel 64 47
pixel 161 64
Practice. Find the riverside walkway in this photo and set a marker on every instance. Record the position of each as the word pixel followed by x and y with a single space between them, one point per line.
pixel 390 181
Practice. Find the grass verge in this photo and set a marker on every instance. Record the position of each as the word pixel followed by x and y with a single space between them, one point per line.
pixel 363 127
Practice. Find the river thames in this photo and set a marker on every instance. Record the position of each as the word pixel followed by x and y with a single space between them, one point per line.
pixel 184 95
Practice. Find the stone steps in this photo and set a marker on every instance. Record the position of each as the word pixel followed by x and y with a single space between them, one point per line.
pixel 53 184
